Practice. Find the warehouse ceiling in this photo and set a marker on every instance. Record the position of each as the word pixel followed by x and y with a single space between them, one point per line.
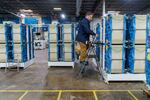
pixel 72 7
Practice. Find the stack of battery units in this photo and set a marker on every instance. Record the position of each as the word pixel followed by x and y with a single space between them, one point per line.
pixel 20 42
pixel 115 33
pixel 3 56
pixel 53 43
pixel 67 33
pixel 140 43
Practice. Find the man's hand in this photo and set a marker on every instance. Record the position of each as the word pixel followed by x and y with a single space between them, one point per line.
pixel 96 35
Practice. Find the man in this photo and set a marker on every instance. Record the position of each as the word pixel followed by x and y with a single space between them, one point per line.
pixel 83 36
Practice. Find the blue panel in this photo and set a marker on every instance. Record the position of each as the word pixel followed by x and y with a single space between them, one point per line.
pixel 147 53
pixel 13 19
pixel 24 42
pixel 108 49
pixel 46 20
pixel 44 28
pixel 33 56
pixel 60 41
pixel 31 20
pixel 124 40
pixel 48 43
pixel 9 43
pixel 98 39
pixel 130 37
pixel 73 39
pixel 30 43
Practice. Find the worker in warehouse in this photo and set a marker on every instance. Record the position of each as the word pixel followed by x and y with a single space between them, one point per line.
pixel 83 36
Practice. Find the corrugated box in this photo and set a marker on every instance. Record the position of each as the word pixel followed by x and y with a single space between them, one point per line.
pixel 68 56
pixel 2 37
pixel 116 66
pixel 141 21
pixel 3 48
pixel 117 22
pixel 17 56
pixel 53 56
pixel 17 37
pixel 140 51
pixel 16 28
pixel 67 47
pixel 3 58
pixel 2 28
pixel 53 28
pixel 140 36
pixel 139 66
pixel 67 28
pixel 53 37
pixel 53 47
pixel 67 38
pixel 117 51
pixel 117 36
pixel 17 48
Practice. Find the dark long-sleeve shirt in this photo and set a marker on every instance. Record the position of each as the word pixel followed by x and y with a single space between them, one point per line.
pixel 84 31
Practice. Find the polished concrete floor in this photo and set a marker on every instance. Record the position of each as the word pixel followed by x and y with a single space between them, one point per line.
pixel 40 77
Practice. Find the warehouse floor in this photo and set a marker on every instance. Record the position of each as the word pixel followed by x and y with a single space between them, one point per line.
pixel 36 81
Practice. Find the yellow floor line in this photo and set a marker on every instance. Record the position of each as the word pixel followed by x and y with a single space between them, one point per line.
pixel 116 90
pixel 20 98
pixel 95 96
pixel 77 90
pixel 59 95
pixel 67 90
pixel 44 90
pixel 135 98
pixel 29 90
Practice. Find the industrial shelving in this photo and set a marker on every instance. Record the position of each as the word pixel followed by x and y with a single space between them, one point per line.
pixel 17 46
pixel 61 45
pixel 120 47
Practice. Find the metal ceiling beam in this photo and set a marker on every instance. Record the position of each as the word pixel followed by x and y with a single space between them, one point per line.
pixel 96 6
pixel 78 7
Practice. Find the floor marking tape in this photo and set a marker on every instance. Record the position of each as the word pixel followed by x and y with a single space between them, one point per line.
pixel 20 98
pixel 135 98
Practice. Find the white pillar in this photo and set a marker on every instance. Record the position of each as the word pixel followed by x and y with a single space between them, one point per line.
pixel 103 33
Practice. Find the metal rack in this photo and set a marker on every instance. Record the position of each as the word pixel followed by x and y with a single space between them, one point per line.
pixel 17 43
pixel 129 47
pixel 61 45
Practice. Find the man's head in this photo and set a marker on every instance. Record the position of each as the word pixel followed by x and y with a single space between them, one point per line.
pixel 89 16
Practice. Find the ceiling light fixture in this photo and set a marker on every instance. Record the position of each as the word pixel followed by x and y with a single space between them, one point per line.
pixel 57 9
pixel 26 10
pixel 63 16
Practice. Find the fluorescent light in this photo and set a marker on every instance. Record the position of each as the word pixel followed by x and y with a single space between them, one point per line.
pixel 26 10
pixel 57 9
pixel 63 16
